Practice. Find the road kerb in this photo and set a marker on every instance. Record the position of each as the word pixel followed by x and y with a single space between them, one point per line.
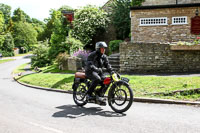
pixel 136 99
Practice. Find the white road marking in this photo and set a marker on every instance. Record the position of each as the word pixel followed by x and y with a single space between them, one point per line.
pixel 45 127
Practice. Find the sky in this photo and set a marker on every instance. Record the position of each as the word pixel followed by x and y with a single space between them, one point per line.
pixel 40 8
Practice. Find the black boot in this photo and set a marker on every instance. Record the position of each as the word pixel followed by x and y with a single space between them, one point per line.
pixel 101 100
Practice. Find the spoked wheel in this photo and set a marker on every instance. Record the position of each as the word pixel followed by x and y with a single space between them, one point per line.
pixel 121 97
pixel 79 94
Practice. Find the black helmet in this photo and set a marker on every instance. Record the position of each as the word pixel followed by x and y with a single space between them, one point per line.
pixel 101 45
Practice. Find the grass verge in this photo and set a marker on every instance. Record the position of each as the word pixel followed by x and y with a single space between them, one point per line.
pixel 143 86
pixel 17 55
pixel 6 60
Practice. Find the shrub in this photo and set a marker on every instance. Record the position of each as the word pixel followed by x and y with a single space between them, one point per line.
pixel 8 45
pixel 58 48
pixel 40 58
pixel 62 60
pixel 6 53
pixel 74 44
pixel 69 46
pixel 114 45
pixel 83 55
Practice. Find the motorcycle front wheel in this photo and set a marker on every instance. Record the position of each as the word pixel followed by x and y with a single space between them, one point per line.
pixel 120 97
pixel 79 94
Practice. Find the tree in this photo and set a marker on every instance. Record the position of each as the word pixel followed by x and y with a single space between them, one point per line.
pixel 137 2
pixel 1 22
pixel 56 24
pixel 18 15
pixel 60 29
pixel 59 33
pixel 48 30
pixel 6 40
pixel 6 10
pixel 23 31
pixel 120 16
pixel 24 35
pixel 1 29
pixel 87 22
pixel 8 45
pixel 65 8
pixel 38 26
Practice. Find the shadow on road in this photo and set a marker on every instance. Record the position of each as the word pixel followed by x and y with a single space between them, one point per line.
pixel 73 111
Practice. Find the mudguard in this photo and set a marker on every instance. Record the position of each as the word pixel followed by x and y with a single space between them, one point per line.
pixel 76 82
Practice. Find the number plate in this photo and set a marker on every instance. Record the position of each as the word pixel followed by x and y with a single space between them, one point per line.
pixel 125 79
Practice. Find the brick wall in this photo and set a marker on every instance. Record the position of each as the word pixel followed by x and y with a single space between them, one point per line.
pixel 162 34
pixel 156 58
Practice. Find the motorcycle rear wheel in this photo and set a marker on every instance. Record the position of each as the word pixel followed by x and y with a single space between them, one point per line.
pixel 120 97
pixel 79 94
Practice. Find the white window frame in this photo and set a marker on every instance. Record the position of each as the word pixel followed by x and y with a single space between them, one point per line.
pixel 153 21
pixel 180 20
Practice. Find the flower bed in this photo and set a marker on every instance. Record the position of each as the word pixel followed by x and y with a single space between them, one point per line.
pixel 185 47
pixel 195 45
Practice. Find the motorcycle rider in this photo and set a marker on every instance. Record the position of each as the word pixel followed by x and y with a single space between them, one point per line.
pixel 95 62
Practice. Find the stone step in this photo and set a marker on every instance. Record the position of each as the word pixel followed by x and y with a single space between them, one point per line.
pixel 113 58
pixel 115 66
pixel 114 61
pixel 117 54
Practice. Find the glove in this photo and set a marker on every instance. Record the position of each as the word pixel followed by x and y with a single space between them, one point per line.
pixel 112 72
pixel 100 70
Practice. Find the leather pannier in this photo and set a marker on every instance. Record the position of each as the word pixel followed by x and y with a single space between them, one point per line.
pixel 80 75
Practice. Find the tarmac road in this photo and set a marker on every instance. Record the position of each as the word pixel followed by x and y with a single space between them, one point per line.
pixel 28 110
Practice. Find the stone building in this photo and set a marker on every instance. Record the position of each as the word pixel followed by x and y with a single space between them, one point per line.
pixel 163 21
pixel 155 24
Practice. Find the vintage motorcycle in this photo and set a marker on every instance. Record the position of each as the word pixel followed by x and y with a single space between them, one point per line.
pixel 119 96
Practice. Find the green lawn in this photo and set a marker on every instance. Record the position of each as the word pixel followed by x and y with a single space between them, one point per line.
pixel 146 85
pixel 54 69
pixel 6 60
pixel 142 86
pixel 50 80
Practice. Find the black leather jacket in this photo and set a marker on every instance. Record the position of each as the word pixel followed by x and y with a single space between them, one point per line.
pixel 95 61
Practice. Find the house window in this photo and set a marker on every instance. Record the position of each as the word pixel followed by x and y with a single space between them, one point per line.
pixel 179 20
pixel 153 21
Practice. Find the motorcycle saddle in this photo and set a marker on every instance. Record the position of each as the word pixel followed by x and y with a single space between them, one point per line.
pixel 80 75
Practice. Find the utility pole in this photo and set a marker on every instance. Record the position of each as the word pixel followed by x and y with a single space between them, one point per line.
pixel 176 2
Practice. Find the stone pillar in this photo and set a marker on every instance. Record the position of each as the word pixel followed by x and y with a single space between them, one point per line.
pixel 74 64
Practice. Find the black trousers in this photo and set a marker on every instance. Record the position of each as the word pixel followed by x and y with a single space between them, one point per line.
pixel 96 79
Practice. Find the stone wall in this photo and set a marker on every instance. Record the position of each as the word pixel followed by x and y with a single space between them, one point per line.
pixel 157 58
pixel 167 2
pixel 165 33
